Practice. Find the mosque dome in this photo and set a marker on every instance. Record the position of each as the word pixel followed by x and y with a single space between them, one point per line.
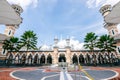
pixel 62 44
pixel 44 47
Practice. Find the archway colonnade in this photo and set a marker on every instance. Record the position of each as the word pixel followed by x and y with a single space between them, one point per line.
pixel 48 58
pixel 29 58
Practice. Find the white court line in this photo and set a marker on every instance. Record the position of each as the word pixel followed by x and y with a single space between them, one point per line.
pixel 11 74
pixel 81 76
pixel 112 76
pixel 68 75
pixel 62 76
pixel 107 70
pixel 49 76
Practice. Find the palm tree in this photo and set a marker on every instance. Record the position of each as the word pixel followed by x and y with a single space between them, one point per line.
pixel 28 40
pixel 90 42
pixel 11 45
pixel 106 44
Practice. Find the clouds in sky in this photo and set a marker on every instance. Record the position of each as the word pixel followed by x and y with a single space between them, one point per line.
pixel 74 44
pixel 97 3
pixel 62 17
pixel 24 3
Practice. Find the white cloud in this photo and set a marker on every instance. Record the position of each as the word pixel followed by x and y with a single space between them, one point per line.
pixel 97 3
pixel 75 44
pixel 24 3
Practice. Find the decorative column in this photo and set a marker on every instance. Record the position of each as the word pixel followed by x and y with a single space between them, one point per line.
pixel 68 51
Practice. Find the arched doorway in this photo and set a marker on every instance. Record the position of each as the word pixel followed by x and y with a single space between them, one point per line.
pixel 42 59
pixel 81 59
pixel 9 59
pixel 17 59
pixel 30 59
pixel 23 59
pixel 49 59
pixel 62 58
pixel 87 58
pixel 75 59
pixel 36 59
pixel 100 59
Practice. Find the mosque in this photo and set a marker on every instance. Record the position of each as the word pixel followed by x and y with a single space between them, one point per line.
pixel 67 52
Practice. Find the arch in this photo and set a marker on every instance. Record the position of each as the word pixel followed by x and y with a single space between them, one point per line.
pixel 42 59
pixel 100 58
pixel 62 58
pixel 30 59
pixel 75 59
pixel 81 58
pixel 17 58
pixel 10 59
pixel 87 58
pixel 36 59
pixel 94 59
pixel 30 53
pixel 10 56
pixel 36 53
pixel 49 59
pixel 23 59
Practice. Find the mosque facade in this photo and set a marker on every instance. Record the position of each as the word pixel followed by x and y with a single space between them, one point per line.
pixel 61 50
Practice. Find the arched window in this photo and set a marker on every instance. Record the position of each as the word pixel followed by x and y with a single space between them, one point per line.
pixel 49 59
pixel 36 59
pixel 9 32
pixel 17 58
pixel 23 59
pixel 42 59
pixel 81 58
pixel 75 59
pixel 30 59
pixel 62 58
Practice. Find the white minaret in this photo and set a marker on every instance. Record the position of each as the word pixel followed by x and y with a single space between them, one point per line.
pixel 11 28
pixel 112 28
pixel 55 41
pixel 68 42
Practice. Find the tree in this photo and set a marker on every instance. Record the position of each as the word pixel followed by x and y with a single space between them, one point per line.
pixel 106 44
pixel 90 42
pixel 11 45
pixel 28 40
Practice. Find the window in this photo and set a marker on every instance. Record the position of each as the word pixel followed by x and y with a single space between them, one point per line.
pixel 113 32
pixel 9 32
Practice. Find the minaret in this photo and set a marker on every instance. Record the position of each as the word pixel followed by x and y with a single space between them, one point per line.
pixel 55 41
pixel 68 51
pixel 68 42
pixel 55 51
pixel 112 28
pixel 11 28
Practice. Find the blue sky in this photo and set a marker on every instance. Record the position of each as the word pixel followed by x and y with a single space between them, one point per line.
pixel 50 18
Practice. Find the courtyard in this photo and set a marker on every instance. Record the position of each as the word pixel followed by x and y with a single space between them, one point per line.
pixel 55 73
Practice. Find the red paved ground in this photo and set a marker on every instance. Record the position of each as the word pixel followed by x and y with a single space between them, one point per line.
pixel 4 72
